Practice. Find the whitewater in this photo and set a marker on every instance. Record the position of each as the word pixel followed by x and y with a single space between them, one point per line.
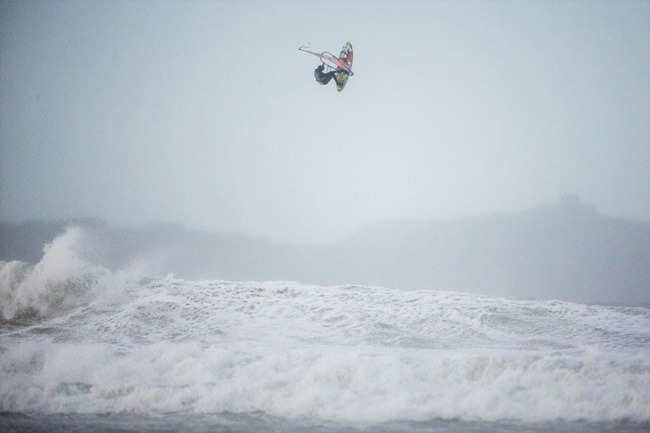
pixel 85 348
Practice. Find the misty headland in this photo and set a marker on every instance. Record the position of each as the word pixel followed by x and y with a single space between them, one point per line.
pixel 566 251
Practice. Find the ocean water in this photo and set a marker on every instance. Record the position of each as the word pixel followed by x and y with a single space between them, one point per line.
pixel 86 349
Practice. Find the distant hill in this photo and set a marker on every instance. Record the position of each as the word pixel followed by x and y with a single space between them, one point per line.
pixel 566 251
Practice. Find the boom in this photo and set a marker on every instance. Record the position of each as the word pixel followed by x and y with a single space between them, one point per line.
pixel 330 60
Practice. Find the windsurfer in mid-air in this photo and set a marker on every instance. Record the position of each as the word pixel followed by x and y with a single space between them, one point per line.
pixel 340 68
pixel 326 77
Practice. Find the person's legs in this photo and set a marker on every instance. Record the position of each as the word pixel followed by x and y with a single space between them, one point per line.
pixel 323 78
pixel 328 77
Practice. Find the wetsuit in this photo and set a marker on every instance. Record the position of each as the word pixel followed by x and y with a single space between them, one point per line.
pixel 322 77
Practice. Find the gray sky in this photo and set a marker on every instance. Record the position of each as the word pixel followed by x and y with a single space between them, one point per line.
pixel 206 113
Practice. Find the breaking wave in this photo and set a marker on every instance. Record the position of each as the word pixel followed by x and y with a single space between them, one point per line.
pixel 62 280
pixel 342 353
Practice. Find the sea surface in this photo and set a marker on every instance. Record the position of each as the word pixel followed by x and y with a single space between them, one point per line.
pixel 85 349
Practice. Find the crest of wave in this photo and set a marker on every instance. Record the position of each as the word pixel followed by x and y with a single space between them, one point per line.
pixel 60 281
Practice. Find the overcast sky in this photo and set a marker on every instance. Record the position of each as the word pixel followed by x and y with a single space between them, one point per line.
pixel 206 113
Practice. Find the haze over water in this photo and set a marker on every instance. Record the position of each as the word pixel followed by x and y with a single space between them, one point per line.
pixel 206 114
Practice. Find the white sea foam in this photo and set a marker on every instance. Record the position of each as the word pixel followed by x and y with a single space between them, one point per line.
pixel 329 382
pixel 345 353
